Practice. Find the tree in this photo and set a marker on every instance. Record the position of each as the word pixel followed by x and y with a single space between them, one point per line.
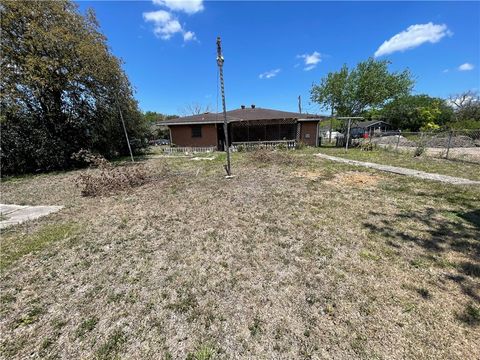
pixel 194 108
pixel 368 86
pixel 154 120
pixel 61 88
pixel 466 106
pixel 417 112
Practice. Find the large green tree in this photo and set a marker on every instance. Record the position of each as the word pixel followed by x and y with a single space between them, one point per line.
pixel 61 88
pixel 369 85
pixel 417 112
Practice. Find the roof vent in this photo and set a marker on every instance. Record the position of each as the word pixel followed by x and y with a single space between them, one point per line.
pixel 243 106
pixel 253 106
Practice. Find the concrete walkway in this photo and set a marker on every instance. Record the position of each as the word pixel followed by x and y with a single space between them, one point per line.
pixel 403 171
pixel 17 214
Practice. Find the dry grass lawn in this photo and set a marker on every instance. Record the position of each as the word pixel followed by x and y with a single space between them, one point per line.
pixel 295 257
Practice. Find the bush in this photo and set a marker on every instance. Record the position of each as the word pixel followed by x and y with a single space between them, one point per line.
pixel 268 156
pixel 419 150
pixel 107 179
pixel 367 146
pixel 300 145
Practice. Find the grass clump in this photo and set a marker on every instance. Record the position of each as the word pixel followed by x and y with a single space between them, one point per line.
pixel 16 246
pixel 205 352
pixel 110 348
pixel 255 328
pixel 471 314
pixel 86 326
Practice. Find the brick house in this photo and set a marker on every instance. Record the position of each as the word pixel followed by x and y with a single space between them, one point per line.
pixel 245 125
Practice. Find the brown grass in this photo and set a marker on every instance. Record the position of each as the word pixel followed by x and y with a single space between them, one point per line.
pixel 268 264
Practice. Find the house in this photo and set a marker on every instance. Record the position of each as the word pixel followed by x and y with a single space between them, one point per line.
pixel 368 128
pixel 245 126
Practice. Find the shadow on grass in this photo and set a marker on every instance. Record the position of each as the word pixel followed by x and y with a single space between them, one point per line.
pixel 439 232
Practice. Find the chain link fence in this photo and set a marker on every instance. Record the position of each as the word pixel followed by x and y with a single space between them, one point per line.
pixel 461 145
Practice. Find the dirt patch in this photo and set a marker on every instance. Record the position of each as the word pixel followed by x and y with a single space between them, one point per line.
pixel 310 174
pixel 355 179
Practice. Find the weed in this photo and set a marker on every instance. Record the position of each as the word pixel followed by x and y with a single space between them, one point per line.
pixel 31 316
pixel 424 293
pixel 187 301
pixel 110 348
pixel 86 326
pixel 255 328
pixel 471 314
pixel 205 352
pixel 368 255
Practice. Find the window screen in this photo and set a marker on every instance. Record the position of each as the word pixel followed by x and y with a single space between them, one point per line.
pixel 196 130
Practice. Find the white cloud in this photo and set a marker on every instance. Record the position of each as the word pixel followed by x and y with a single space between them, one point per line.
pixel 466 67
pixel 165 25
pixel 311 60
pixel 414 36
pixel 188 36
pixel 445 71
pixel 187 6
pixel 269 74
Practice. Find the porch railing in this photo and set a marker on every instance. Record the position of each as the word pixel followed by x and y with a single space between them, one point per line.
pixel 192 150
pixel 248 145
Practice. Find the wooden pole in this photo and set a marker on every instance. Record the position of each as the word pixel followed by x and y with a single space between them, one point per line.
pixel 220 62
pixel 448 144
pixel 299 104
pixel 124 128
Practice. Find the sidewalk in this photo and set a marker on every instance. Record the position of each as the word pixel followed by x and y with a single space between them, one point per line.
pixel 403 171
pixel 17 214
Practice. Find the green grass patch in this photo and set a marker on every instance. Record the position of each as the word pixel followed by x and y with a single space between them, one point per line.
pixel 15 246
pixel 205 352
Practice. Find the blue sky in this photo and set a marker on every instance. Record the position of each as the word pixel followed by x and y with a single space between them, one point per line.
pixel 274 51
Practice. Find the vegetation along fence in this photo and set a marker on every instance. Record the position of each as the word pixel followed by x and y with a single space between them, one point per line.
pixel 250 145
pixel 453 144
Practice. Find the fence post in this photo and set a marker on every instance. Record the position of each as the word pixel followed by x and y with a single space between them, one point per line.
pixel 348 133
pixel 398 140
pixel 448 144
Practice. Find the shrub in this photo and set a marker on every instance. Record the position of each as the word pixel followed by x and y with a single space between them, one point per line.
pixel 300 145
pixel 367 146
pixel 107 179
pixel 267 156
pixel 419 150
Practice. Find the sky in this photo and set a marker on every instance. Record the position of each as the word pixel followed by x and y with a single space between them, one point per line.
pixel 275 50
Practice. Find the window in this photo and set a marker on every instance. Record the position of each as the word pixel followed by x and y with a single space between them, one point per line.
pixel 196 130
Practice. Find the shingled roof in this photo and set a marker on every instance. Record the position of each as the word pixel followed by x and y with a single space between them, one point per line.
pixel 247 114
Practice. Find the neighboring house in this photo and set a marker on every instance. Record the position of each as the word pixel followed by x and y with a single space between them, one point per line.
pixel 360 129
pixel 245 125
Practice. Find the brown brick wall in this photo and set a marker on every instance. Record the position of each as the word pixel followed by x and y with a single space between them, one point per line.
pixel 310 128
pixel 182 135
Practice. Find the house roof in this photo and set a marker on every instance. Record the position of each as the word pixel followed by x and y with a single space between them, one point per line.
pixel 247 114
pixel 364 124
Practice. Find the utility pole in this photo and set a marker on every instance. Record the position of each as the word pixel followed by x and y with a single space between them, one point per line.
pixel 124 128
pixel 299 104
pixel 220 62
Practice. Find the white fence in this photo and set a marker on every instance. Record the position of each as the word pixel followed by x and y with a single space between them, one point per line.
pixel 189 150
pixel 250 145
